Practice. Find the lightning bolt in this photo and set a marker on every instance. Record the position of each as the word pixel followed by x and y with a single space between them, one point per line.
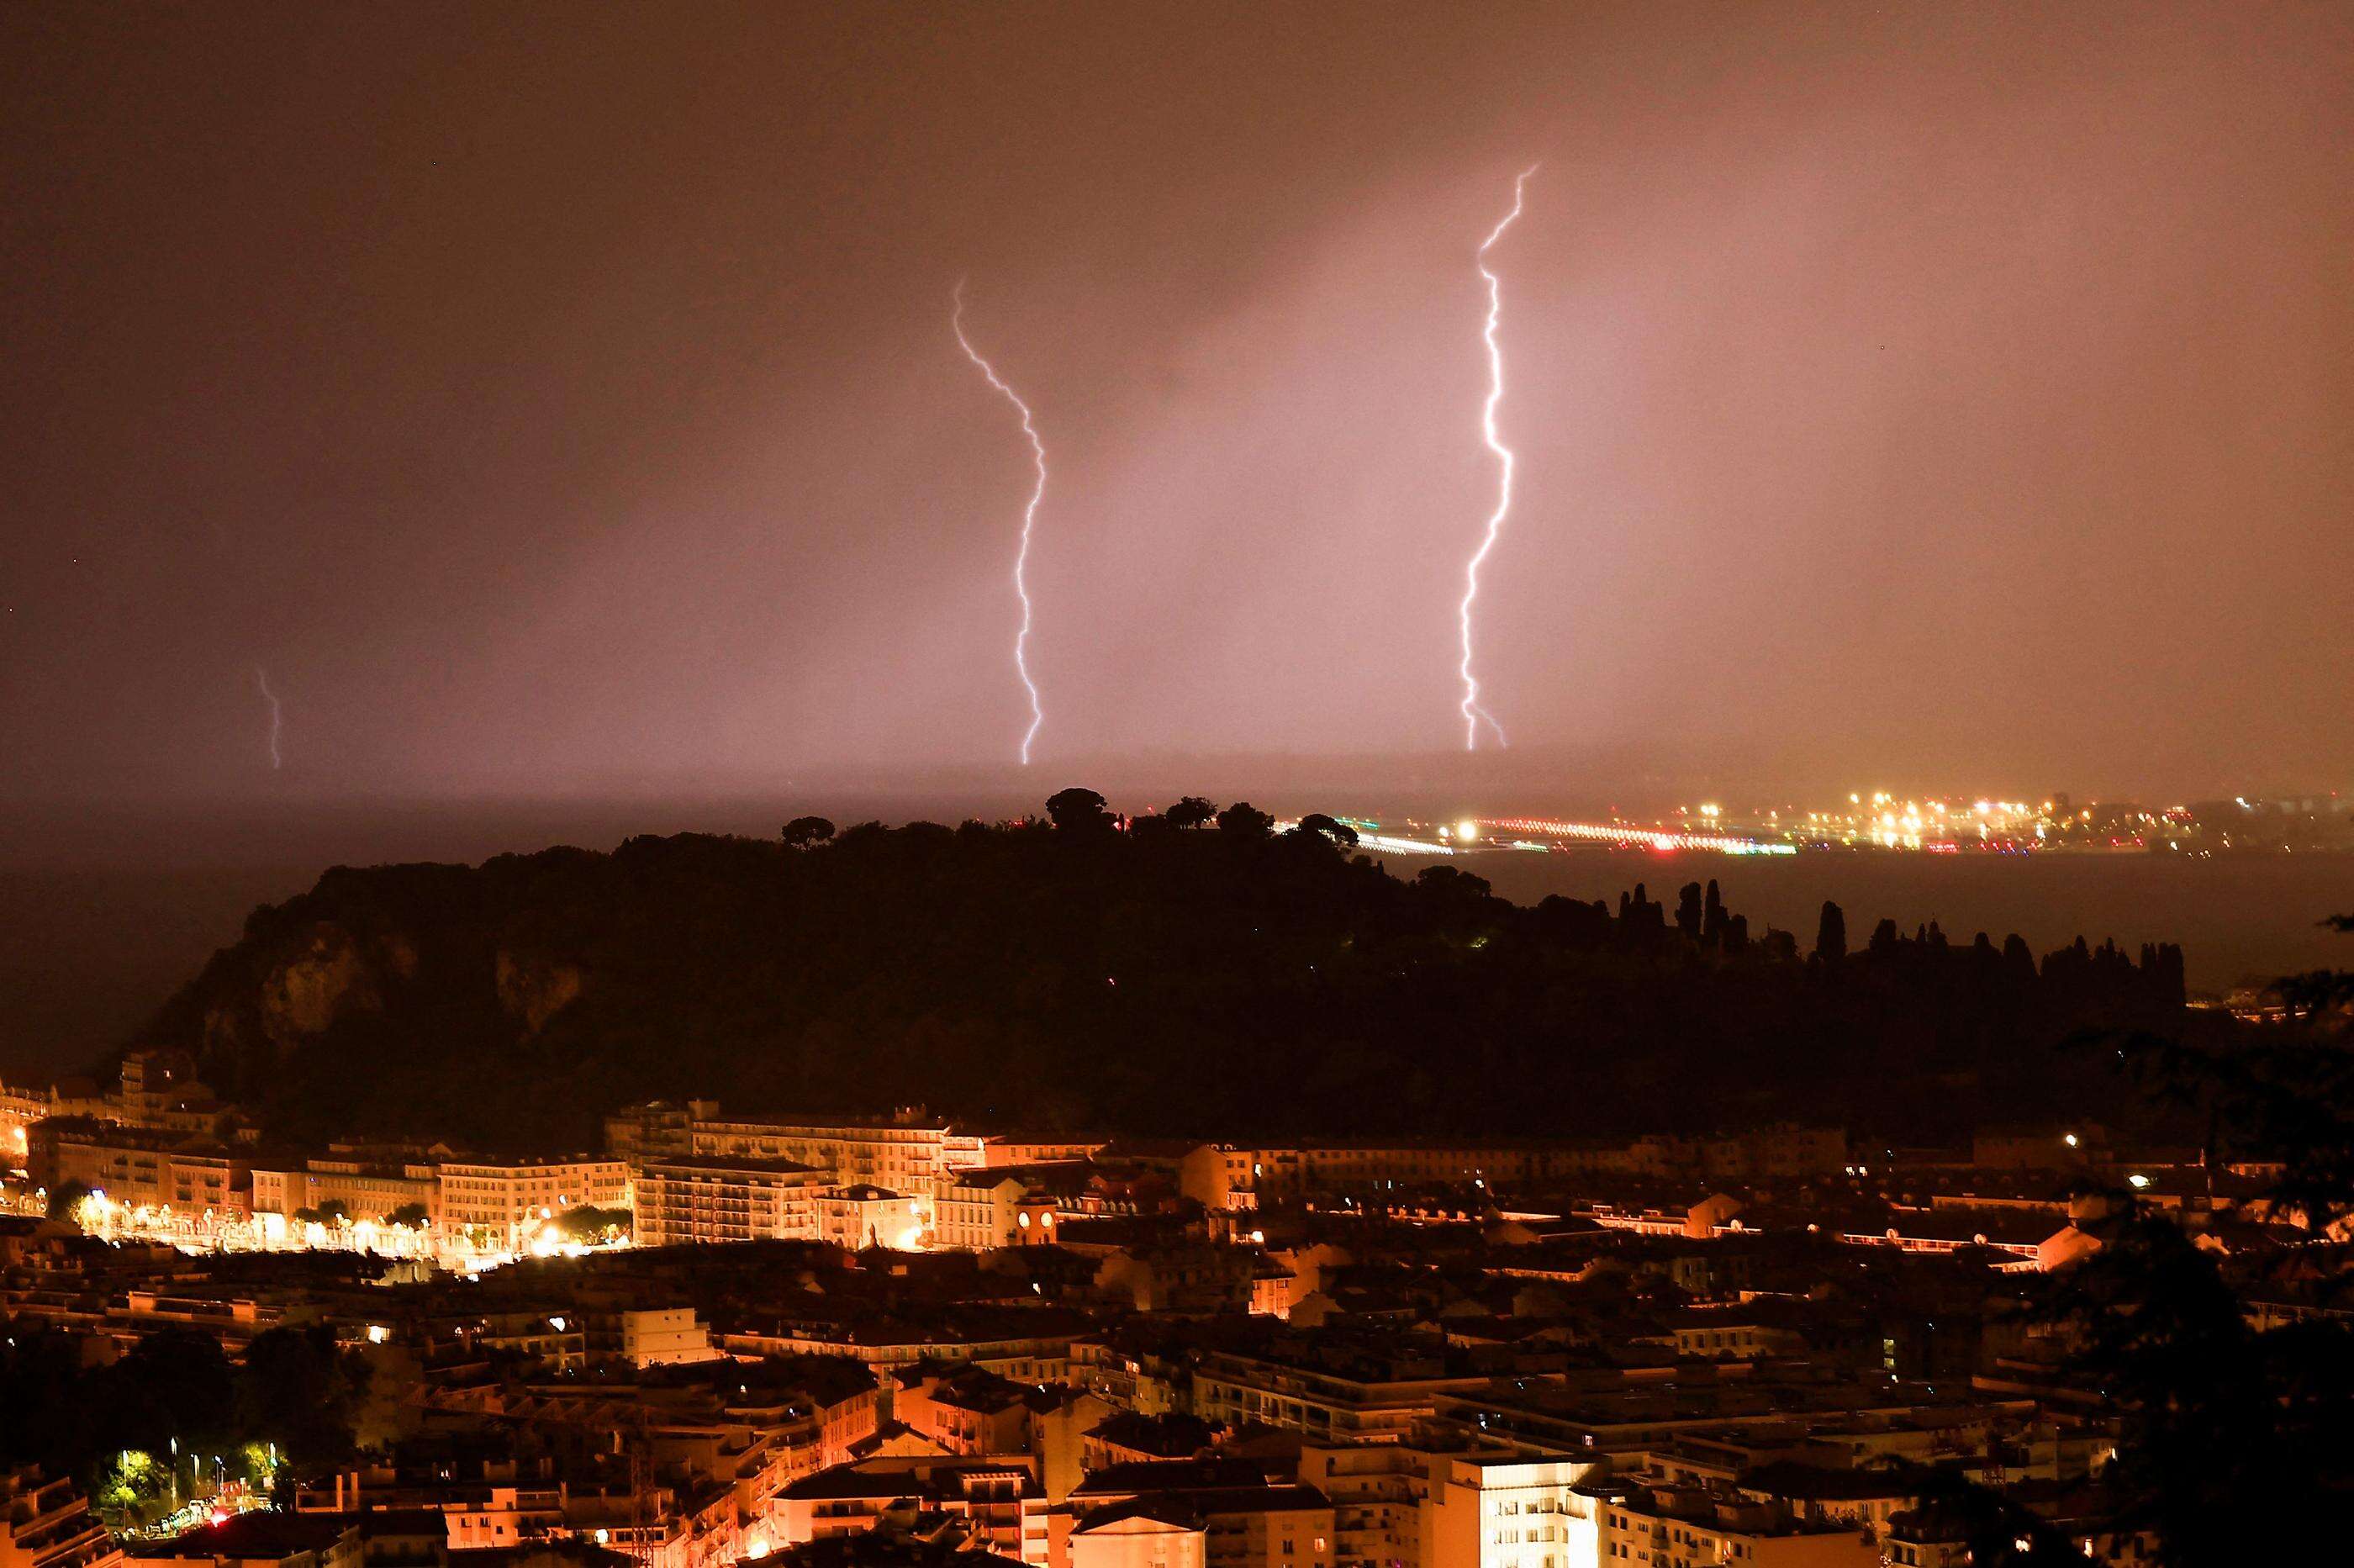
pixel 1029 518
pixel 277 716
pixel 1473 711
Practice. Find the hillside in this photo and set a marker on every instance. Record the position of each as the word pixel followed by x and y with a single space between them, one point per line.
pixel 1218 981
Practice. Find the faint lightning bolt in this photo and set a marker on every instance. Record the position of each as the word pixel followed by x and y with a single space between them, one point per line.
pixel 277 716
pixel 1473 711
pixel 1029 517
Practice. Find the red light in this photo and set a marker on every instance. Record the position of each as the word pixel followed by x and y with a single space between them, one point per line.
pixel 220 1516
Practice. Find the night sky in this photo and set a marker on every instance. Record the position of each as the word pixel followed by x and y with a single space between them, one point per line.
pixel 563 396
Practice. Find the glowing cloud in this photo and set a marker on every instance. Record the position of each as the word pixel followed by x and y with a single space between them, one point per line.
pixel 1029 518
pixel 277 716
pixel 1473 713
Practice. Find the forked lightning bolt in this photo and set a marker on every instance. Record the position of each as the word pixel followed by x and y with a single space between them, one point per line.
pixel 1473 711
pixel 277 716
pixel 1029 518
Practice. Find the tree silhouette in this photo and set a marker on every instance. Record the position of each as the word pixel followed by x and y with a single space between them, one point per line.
pixel 1078 810
pixel 1192 812
pixel 2214 1411
pixel 1339 833
pixel 806 833
pixel 1688 911
pixel 586 1221
pixel 295 1384
pixel 1244 821
pixel 1716 925
pixel 1830 934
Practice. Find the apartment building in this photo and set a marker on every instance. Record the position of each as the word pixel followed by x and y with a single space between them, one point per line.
pixel 1135 1516
pixel 138 1167
pixel 507 1200
pixel 692 1200
pixel 1229 1176
pixel 655 1128
pixel 47 1524
pixel 999 1500
pixel 905 1155
pixel 1411 1504
pixel 1510 1510
pixel 1368 1400
pixel 967 1410
pixel 367 1189
pixel 1680 1527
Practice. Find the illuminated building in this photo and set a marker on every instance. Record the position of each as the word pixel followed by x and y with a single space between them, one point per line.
pixel 999 1500
pixel 367 1190
pixel 47 1524
pixel 696 1199
pixel 665 1336
pixel 1123 1517
pixel 20 1106
pixel 1506 1510
pixel 1377 1491
pixel 507 1200
pixel 1220 1176
pixel 1377 1398
pixel 966 1410
pixel 159 1089
pixel 1666 1527
pixel 862 1216
pixel 982 1209
pixel 1016 1149
pixel 654 1128
pixel 139 1168
pixel 904 1154
pixel 1197 1278
pixel 1148 1532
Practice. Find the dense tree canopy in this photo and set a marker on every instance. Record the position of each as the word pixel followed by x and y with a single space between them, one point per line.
pixel 2217 1413
pixel 1233 983
pixel 293 1389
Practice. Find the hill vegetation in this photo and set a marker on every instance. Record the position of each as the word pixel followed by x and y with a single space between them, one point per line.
pixel 1192 972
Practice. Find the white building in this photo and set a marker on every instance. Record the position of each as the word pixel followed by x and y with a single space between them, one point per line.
pixel 666 1336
